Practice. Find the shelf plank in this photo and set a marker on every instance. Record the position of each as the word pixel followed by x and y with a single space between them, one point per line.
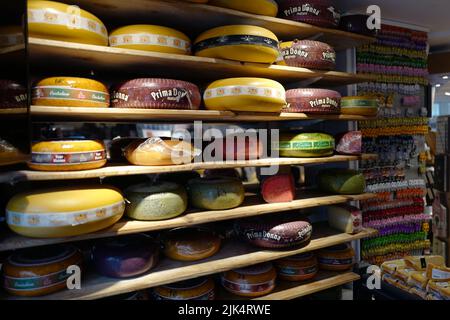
pixel 124 170
pixel 13 111
pixel 253 206
pixel 172 65
pixel 48 113
pixel 233 254
pixel 181 15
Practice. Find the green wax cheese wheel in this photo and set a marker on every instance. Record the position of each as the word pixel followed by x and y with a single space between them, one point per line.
pixel 216 193
pixel 342 181
pixel 364 106
pixel 160 201
pixel 306 145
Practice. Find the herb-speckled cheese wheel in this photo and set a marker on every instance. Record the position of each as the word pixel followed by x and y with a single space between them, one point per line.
pixel 216 193
pixel 64 212
pixel 70 92
pixel 32 272
pixel 261 7
pixel 321 13
pixel 254 281
pixel 58 21
pixel 192 289
pixel 306 145
pixel 308 54
pixel 191 244
pixel 156 202
pixel 245 94
pixel 362 106
pixel 301 267
pixel 67 155
pixel 238 42
pixel 151 38
pixel 315 101
pixel 341 181
pixel 336 258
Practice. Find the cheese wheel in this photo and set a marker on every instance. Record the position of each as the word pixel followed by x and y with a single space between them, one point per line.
pixel 243 43
pixel 159 152
pixel 150 38
pixel 362 106
pixel 320 13
pixel 32 272
pixel 306 145
pixel 191 244
pixel 159 201
pixel 64 212
pixel 125 257
pixel 70 92
pixel 345 218
pixel 308 54
pixel 58 21
pixel 341 181
pixel 301 267
pixel 313 101
pixel 156 94
pixel 192 289
pixel 278 188
pixel 261 7
pixel 253 281
pixel 12 95
pixel 67 155
pixel 350 143
pixel 336 258
pixel 216 193
pixel 236 147
pixel 245 94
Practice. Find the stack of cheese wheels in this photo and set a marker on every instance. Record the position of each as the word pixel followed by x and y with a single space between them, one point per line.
pixel 156 94
pixel 159 201
pixel 58 21
pixel 192 289
pixel 238 42
pixel 313 101
pixel 191 244
pixel 306 145
pixel 341 181
pixel 151 38
pixel 125 257
pixel 70 92
pixel 301 267
pixel 245 94
pixel 321 13
pixel 64 212
pixel 253 281
pixel 67 155
pixel 359 105
pixel 336 258
pixel 261 7
pixel 159 152
pixel 32 272
pixel 216 193
pixel 308 54
pixel 12 94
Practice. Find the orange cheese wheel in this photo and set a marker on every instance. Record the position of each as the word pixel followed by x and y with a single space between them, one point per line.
pixel 70 92
pixel 192 289
pixel 67 155
pixel 297 268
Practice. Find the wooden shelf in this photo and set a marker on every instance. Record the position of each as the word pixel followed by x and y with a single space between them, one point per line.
pixel 233 254
pixel 91 57
pixel 253 206
pixel 6 112
pixel 181 15
pixel 44 113
pixel 125 170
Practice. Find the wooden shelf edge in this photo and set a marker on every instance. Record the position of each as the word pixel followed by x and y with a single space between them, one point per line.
pixel 13 111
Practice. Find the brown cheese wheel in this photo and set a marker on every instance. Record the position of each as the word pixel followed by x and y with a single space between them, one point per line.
pixel 192 289
pixel 336 258
pixel 308 54
pixel 315 101
pixel 297 268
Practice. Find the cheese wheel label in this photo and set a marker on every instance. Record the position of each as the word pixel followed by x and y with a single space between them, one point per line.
pixel 359 103
pixel 165 95
pixel 68 93
pixel 297 271
pixel 294 53
pixel 307 145
pixel 247 288
pixel 335 262
pixel 67 158
pixel 244 91
pixel 149 39
pixel 438 274
pixel 69 20
pixel 235 40
pixel 56 219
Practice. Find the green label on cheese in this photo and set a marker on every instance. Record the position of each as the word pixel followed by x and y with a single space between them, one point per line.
pixel 359 103
pixel 306 145
pixel 34 283
pixel 54 92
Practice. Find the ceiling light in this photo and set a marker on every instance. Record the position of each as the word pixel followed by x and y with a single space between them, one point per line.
pixel 438 85
pixel 447 93
pixel 445 77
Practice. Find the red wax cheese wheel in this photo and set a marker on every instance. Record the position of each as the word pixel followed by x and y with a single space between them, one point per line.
pixel 278 188
pixel 156 94
pixel 320 13
pixel 254 281
pixel 350 143
pixel 297 268
pixel 235 148
pixel 319 101
pixel 273 233
pixel 12 95
pixel 336 258
pixel 308 54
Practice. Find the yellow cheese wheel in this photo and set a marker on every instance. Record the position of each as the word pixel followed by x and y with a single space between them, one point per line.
pixel 262 7
pixel 238 42
pixel 59 21
pixel 150 38
pixel 64 212
pixel 67 155
pixel 245 94
pixel 70 92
